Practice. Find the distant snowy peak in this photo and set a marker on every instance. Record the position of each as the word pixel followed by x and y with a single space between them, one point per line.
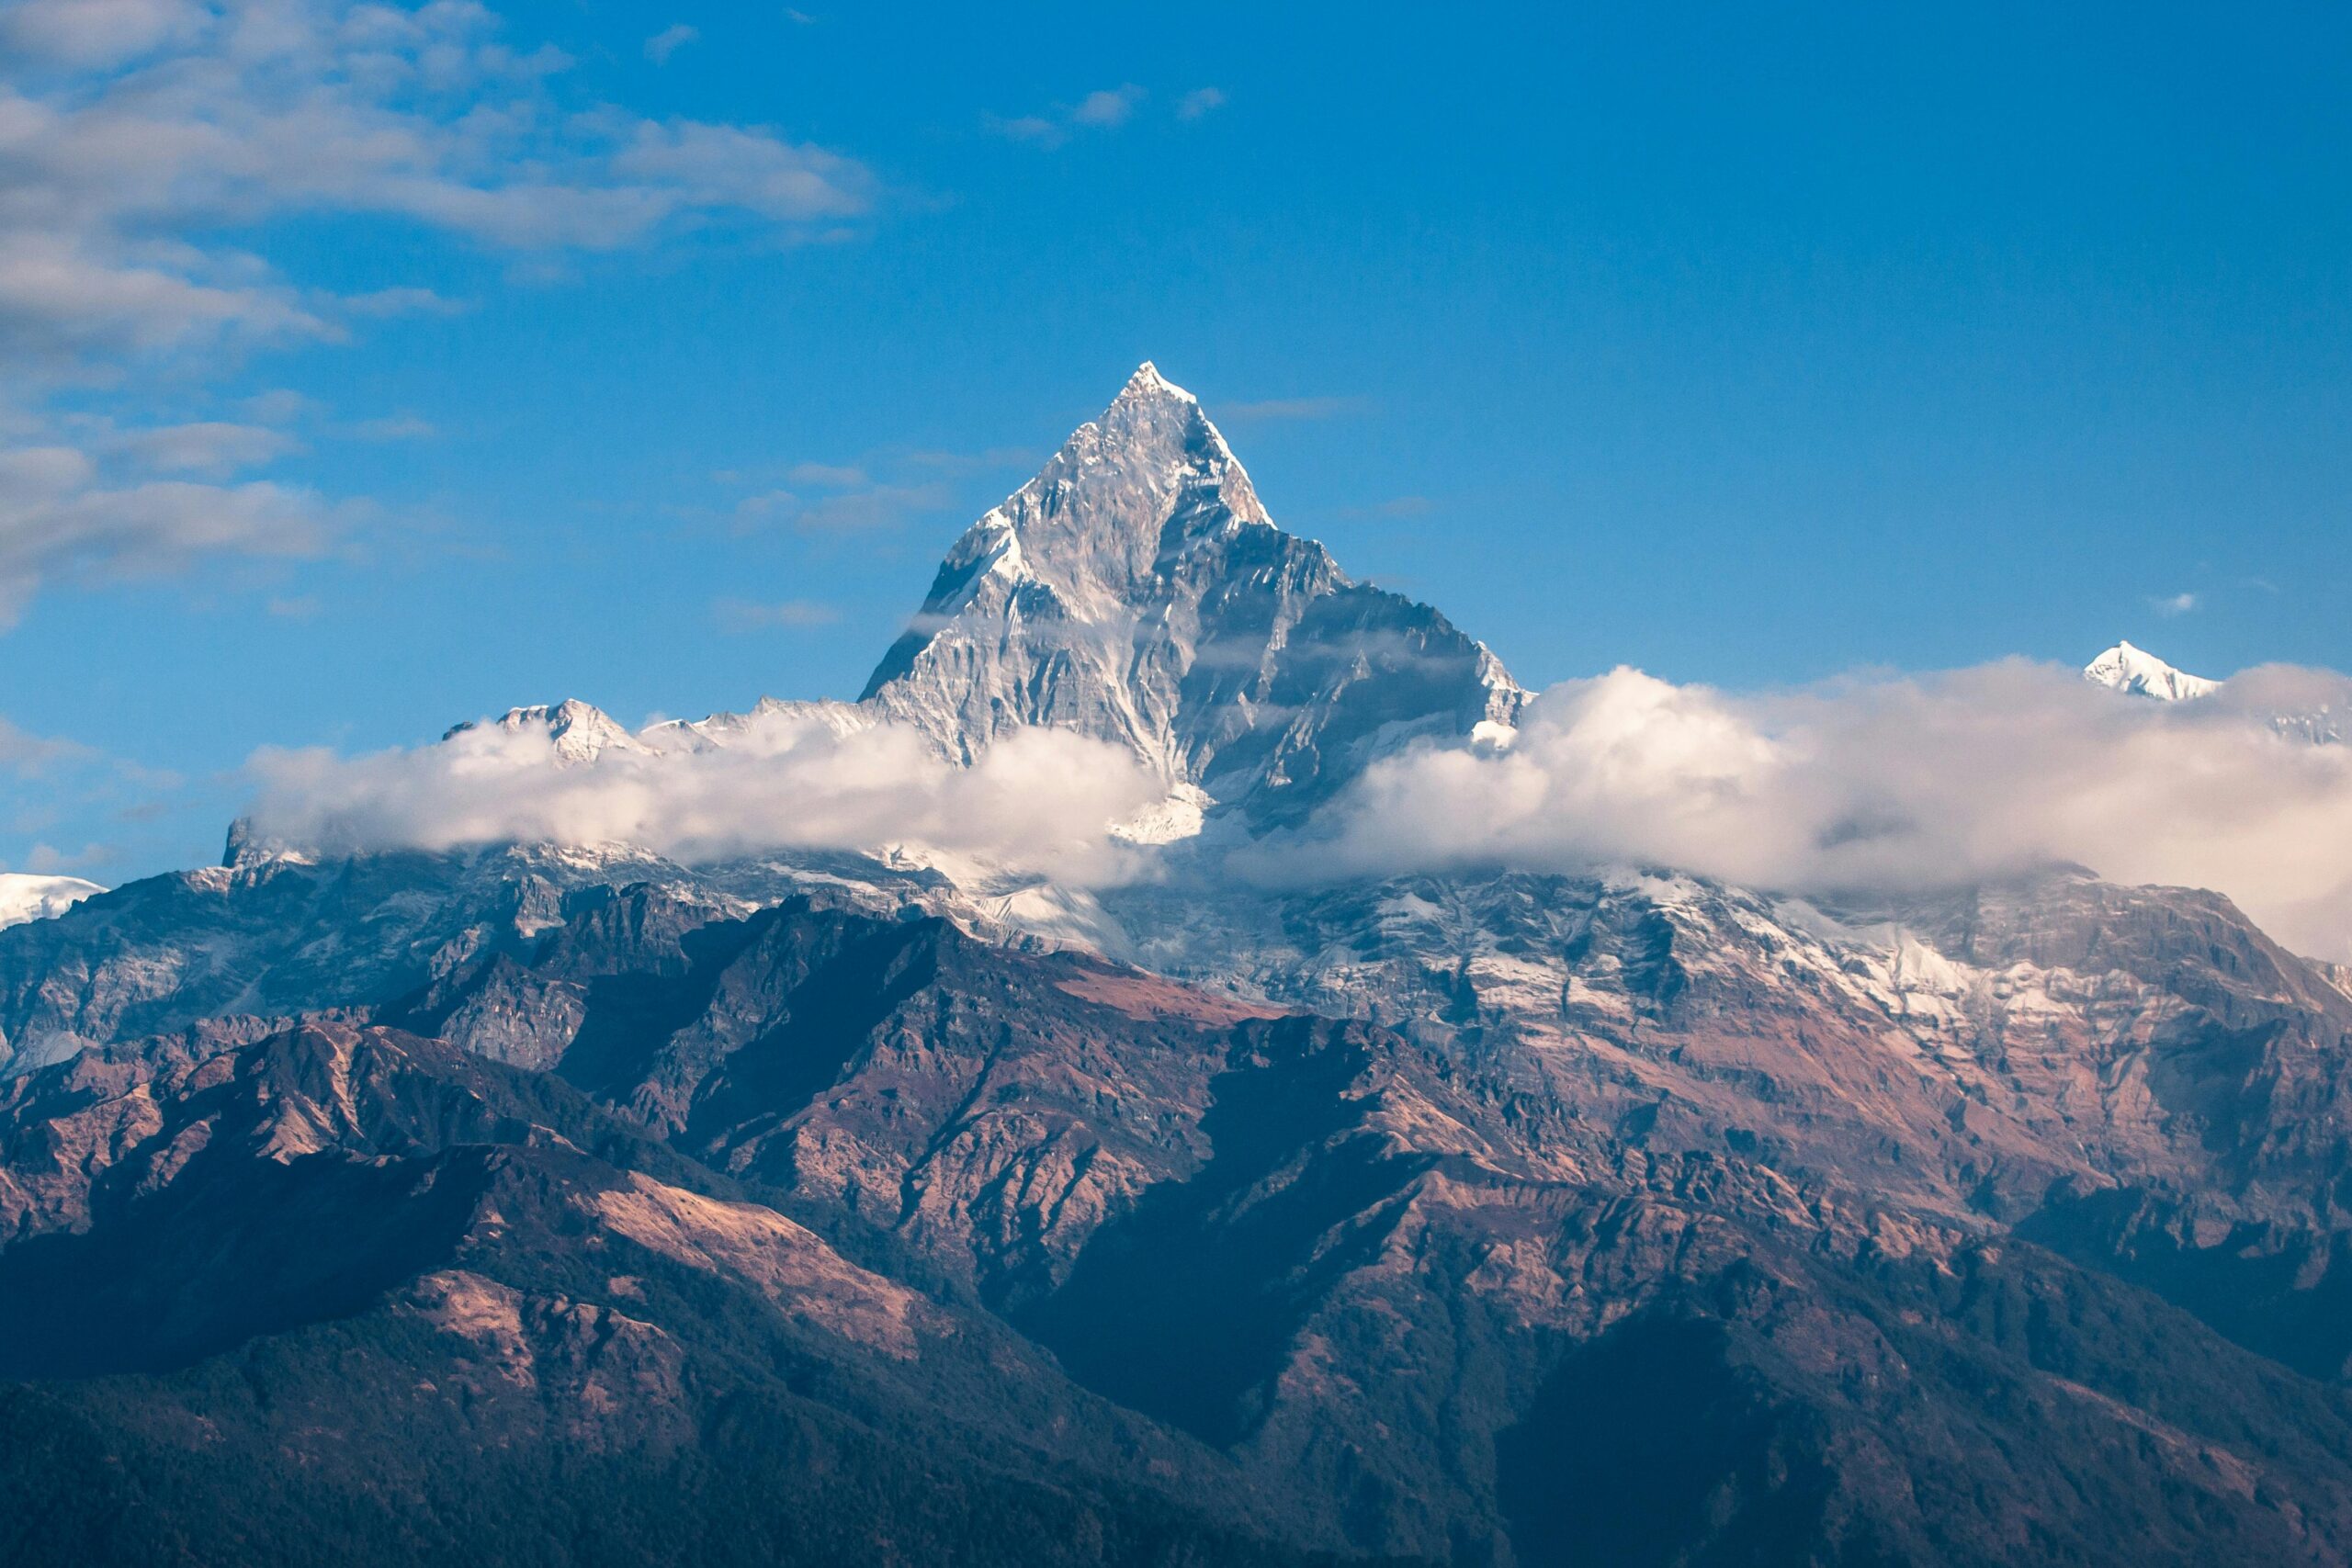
pixel 580 731
pixel 720 731
pixel 24 896
pixel 2140 673
pixel 2313 706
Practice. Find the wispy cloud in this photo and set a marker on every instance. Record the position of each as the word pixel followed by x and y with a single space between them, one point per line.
pixel 1105 109
pixel 50 780
pixel 61 519
pixel 2175 604
pixel 213 449
pixel 27 755
pixel 406 301
pixel 879 491
pixel 1394 509
pixel 667 42
pixel 827 476
pixel 875 507
pixel 1198 102
pixel 1108 106
pixel 795 615
pixel 394 427
pixel 136 128
pixel 147 146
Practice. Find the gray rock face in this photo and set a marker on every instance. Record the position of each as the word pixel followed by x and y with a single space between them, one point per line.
pixel 1137 591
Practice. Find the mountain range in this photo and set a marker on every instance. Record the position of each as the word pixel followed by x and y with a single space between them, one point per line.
pixel 558 1202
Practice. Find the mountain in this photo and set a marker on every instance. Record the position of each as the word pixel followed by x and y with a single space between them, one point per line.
pixel 25 897
pixel 1696 1262
pixel 1136 592
pixel 2304 706
pixel 576 731
pixel 2140 673
pixel 348 1295
pixel 546 1203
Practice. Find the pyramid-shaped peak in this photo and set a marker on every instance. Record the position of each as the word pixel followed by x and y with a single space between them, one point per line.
pixel 1147 382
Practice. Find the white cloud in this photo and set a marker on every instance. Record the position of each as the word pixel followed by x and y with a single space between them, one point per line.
pixel 394 427
pixel 827 476
pixel 52 781
pixel 61 300
pixel 1029 128
pixel 98 33
pixel 138 136
pixel 214 448
pixel 715 167
pixel 2175 604
pixel 798 615
pixel 1108 108
pixel 1042 800
pixel 60 518
pixel 399 302
pixel 132 130
pixel 667 42
pixel 1198 102
pixel 846 511
pixel 1885 785
pixel 27 755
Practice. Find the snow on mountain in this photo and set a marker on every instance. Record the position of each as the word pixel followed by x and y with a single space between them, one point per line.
pixel 719 730
pixel 2135 671
pixel 2306 705
pixel 24 896
pixel 1138 591
pixel 580 731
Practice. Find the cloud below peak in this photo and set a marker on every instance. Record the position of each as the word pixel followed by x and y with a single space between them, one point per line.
pixel 1882 785
pixel 1043 801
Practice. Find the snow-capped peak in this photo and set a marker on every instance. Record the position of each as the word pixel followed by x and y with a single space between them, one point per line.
pixel 2135 671
pixel 581 732
pixel 1137 591
pixel 1148 382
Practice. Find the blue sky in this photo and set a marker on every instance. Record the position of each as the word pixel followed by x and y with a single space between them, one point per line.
pixel 651 354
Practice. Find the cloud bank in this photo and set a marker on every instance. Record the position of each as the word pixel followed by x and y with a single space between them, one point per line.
pixel 1886 784
pixel 1043 801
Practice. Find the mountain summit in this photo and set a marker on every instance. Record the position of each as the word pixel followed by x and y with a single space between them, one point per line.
pixel 2138 673
pixel 1137 591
